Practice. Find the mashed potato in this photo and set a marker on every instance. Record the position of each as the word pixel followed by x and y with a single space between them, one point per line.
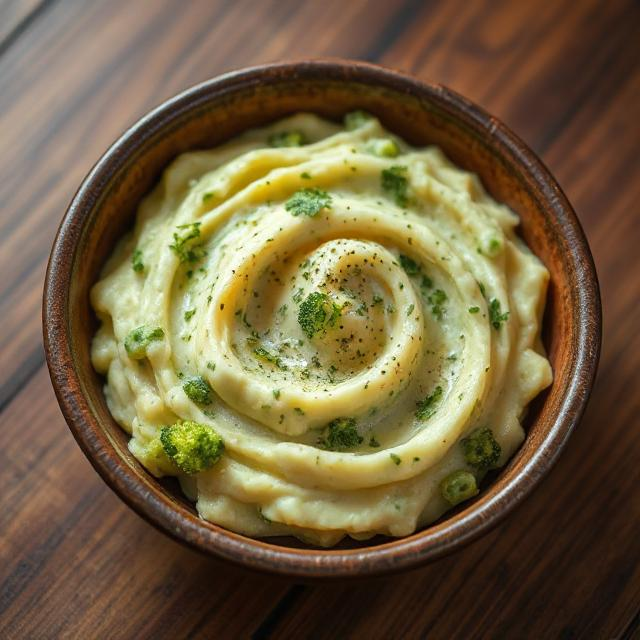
pixel 355 317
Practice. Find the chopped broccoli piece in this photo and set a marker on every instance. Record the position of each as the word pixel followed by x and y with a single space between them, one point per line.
pixel 411 267
pixel 198 390
pixel 308 202
pixel 427 407
pixel 458 487
pixel 317 312
pixel 394 182
pixel 437 300
pixel 136 261
pixel 356 119
pixel 341 433
pixel 287 139
pixel 138 340
pixel 481 449
pixel 495 317
pixel 384 147
pixel 192 446
pixel 182 243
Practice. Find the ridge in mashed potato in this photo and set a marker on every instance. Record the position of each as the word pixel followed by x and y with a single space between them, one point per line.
pixel 354 317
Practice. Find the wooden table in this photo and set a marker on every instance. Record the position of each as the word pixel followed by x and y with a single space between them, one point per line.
pixel 74 561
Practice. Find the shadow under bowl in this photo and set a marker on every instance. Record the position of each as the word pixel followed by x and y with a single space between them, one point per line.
pixel 206 115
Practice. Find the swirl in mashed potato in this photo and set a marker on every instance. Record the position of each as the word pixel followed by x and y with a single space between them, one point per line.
pixel 356 307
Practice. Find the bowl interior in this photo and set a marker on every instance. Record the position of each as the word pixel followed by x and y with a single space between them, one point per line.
pixel 205 116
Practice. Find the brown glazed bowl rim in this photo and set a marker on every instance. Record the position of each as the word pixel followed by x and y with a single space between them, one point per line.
pixel 395 555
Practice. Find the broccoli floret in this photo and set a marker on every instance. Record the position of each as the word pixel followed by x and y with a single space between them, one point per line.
pixel 341 433
pixel 136 261
pixel 384 147
pixel 198 390
pixel 183 245
pixel 287 139
pixel 138 340
pixel 481 449
pixel 394 182
pixel 308 202
pixel 192 446
pixel 458 487
pixel 495 317
pixel 427 407
pixel 356 119
pixel 317 312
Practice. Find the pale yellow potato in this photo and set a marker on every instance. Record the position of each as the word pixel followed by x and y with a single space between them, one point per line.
pixel 390 348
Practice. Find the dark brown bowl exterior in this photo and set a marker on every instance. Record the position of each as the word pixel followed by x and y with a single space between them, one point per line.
pixel 208 114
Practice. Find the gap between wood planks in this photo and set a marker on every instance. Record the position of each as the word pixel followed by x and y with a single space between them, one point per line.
pixel 23 25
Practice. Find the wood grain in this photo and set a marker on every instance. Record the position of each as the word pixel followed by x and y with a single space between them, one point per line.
pixel 74 561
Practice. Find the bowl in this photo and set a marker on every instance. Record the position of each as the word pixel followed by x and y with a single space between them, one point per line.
pixel 214 111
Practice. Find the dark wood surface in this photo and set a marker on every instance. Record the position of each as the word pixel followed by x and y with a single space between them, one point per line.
pixel 74 561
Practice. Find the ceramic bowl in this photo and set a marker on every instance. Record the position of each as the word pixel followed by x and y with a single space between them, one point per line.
pixel 214 111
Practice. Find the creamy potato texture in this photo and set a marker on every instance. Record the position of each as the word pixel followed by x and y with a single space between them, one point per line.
pixel 352 309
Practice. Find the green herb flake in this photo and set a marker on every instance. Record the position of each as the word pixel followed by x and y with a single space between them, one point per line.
pixel 425 284
pixel 267 356
pixel 474 309
pixel 305 175
pixel 394 182
pixel 183 245
pixel 495 316
pixel 396 459
pixel 427 407
pixel 136 261
pixel 189 314
pixel 410 309
pixel 276 393
pixel 287 139
pixel 308 202
pixel 410 266
pixel 437 300
pixel 341 433
pixel 139 339
pixel 209 195
pixel 373 443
